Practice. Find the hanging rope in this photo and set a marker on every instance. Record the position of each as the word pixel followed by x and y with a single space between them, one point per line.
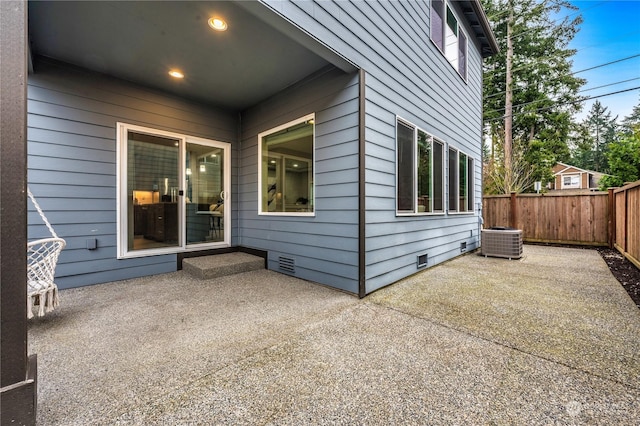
pixel 44 218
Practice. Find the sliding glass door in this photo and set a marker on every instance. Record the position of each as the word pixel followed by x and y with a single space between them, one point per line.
pixel 173 192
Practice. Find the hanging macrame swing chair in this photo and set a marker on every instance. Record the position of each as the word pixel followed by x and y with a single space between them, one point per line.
pixel 42 258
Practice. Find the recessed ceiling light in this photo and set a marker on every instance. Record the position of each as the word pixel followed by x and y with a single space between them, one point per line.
pixel 176 74
pixel 217 24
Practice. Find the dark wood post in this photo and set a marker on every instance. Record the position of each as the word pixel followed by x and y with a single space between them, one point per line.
pixel 612 218
pixel 513 211
pixel 17 371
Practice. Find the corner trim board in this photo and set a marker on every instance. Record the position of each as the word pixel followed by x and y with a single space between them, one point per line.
pixel 362 284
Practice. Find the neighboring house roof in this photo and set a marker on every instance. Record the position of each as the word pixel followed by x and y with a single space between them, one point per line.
pixel 563 168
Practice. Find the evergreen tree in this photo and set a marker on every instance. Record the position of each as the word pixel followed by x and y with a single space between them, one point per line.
pixel 582 154
pixel 596 132
pixel 530 94
pixel 631 122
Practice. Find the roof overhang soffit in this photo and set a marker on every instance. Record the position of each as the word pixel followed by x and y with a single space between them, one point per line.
pixel 479 22
pixel 269 15
pixel 260 54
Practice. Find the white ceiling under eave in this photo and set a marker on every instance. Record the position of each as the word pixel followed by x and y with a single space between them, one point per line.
pixel 258 56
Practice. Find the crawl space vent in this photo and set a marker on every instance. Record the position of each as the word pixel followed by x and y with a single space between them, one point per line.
pixel 502 242
pixel 463 247
pixel 287 264
pixel 422 261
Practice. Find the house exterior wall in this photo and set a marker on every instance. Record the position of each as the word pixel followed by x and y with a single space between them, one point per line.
pixel 324 247
pixel 406 76
pixel 72 157
pixel 72 116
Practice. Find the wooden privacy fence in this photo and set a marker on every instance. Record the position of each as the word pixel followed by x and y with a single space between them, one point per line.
pixel 625 204
pixel 567 219
pixel 598 218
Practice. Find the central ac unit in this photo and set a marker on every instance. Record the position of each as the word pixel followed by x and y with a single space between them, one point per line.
pixel 502 242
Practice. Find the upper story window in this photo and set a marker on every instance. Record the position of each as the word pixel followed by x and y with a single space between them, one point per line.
pixel 420 171
pixel 448 36
pixel 286 169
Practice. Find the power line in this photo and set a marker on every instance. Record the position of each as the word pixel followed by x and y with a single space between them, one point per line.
pixel 610 84
pixel 577 72
pixel 492 73
pixel 565 103
pixel 543 100
pixel 608 63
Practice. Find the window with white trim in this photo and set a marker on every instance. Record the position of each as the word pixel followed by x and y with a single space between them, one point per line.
pixel 447 35
pixel 286 168
pixel 420 171
pixel 571 181
pixel 461 181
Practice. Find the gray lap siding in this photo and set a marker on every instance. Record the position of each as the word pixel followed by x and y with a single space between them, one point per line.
pixel 324 247
pixel 72 116
pixel 406 76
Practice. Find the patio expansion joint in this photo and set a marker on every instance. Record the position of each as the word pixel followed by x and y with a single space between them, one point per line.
pixel 514 348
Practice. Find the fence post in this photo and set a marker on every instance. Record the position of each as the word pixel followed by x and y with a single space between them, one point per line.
pixel 612 218
pixel 513 211
pixel 626 220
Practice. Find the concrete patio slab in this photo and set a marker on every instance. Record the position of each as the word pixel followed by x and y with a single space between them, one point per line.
pixel 557 303
pixel 446 346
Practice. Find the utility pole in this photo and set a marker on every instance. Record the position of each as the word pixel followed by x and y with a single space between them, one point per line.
pixel 508 105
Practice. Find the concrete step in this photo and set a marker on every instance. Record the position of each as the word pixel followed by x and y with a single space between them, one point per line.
pixel 220 265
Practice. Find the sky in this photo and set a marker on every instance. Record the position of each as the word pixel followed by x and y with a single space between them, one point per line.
pixel 610 32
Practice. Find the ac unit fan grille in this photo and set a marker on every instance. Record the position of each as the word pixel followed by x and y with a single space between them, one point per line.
pixel 502 243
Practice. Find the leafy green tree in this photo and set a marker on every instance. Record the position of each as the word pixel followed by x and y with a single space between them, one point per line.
pixel 624 160
pixel 530 94
pixel 596 132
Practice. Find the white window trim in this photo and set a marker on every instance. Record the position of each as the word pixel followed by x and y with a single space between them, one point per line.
pixel 444 26
pixel 457 184
pixel 415 212
pixel 307 117
pixel 121 194
pixel 578 186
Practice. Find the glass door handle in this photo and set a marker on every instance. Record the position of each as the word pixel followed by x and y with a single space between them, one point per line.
pixel 223 194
